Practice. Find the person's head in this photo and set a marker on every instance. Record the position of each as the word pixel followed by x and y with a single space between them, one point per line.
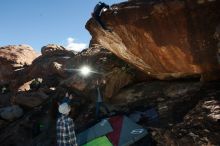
pixel 64 108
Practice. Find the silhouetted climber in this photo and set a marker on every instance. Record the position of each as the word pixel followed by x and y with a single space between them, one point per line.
pixel 99 8
pixel 99 102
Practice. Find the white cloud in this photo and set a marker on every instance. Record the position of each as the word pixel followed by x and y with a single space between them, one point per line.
pixel 71 45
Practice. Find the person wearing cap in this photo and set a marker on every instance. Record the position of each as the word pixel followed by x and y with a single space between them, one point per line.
pixel 65 127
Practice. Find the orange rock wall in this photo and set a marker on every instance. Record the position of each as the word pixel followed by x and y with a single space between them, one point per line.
pixel 163 39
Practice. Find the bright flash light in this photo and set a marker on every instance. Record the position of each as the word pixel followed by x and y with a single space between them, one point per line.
pixel 85 70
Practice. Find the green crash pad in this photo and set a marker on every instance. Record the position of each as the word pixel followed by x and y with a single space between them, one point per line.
pixel 101 141
pixel 100 129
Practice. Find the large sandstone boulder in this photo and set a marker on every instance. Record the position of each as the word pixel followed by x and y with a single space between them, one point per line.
pixel 188 112
pixel 200 126
pixel 30 99
pixel 52 49
pixel 171 99
pixel 61 68
pixel 11 112
pixel 105 66
pixel 171 38
pixel 18 55
pixel 47 66
pixel 12 59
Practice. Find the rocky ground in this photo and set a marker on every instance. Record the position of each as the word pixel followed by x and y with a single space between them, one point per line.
pixel 150 62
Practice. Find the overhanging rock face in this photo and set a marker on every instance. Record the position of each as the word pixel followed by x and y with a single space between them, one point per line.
pixel 163 38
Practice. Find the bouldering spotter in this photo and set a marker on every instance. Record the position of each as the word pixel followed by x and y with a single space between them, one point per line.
pixel 65 134
pixel 99 102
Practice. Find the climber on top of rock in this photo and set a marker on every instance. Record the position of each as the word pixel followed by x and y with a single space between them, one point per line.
pixel 99 8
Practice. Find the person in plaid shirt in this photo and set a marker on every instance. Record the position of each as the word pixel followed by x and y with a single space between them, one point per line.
pixel 65 127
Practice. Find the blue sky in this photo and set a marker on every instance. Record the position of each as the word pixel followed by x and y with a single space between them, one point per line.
pixel 41 22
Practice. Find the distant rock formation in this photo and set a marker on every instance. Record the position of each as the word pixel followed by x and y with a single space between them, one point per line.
pixel 165 39
pixel 52 49
pixel 12 59
pixel 58 67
